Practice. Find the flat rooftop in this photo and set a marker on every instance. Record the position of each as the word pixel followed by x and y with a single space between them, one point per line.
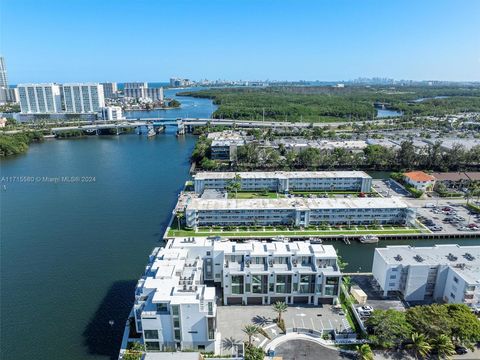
pixel 282 175
pixel 464 259
pixel 296 203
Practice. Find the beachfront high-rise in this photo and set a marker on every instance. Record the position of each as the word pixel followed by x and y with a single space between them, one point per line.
pixel 5 95
pixel 109 89
pixel 140 90
pixel 39 98
pixel 83 97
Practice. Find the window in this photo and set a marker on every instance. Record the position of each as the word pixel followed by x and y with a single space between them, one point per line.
pixel 393 277
pixel 162 307
pixel 455 279
pixel 452 295
pixel 150 334
pixel 176 322
pixel 176 334
pixel 391 284
pixel 237 284
pixel 152 346
pixel 175 310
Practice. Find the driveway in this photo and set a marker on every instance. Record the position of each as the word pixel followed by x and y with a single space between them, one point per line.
pixel 232 318
pixel 304 349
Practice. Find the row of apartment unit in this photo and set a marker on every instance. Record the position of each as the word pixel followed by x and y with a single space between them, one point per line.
pixel 297 212
pixel 285 181
pixel 225 144
pixel 174 308
pixel 442 273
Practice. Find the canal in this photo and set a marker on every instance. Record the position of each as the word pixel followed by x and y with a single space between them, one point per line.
pixel 76 233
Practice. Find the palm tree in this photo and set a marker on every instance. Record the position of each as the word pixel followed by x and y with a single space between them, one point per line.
pixel 444 347
pixel 180 216
pixel 280 307
pixel 419 345
pixel 251 330
pixel 364 352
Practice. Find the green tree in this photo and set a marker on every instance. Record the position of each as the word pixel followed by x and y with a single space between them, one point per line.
pixel 180 216
pixel 134 351
pixel 253 353
pixel 430 320
pixel 390 327
pixel 419 345
pixel 235 184
pixel 280 307
pixel 364 352
pixel 465 326
pixel 444 347
pixel 251 330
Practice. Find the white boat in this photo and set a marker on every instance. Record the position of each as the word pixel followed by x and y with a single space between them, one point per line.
pixel 369 239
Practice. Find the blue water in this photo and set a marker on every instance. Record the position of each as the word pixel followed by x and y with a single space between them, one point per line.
pixel 191 107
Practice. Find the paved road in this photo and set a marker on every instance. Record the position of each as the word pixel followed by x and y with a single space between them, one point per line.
pixel 308 350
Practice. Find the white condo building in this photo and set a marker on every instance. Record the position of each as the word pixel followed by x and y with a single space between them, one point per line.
pixel 442 273
pixel 285 181
pixel 82 98
pixel 140 90
pixel 111 113
pixel 176 309
pixel 109 89
pixel 39 98
pixel 297 211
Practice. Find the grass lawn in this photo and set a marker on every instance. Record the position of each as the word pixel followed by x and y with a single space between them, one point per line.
pixel 254 195
pixel 270 233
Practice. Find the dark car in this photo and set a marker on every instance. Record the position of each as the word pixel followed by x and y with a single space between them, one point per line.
pixel 460 350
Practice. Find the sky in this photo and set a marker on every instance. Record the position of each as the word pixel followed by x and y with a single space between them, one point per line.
pixel 153 40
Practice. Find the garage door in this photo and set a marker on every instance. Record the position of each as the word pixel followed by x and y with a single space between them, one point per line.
pixel 325 301
pixel 254 301
pixel 273 299
pixel 234 301
pixel 300 299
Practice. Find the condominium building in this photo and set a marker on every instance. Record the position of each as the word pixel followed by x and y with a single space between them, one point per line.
pixel 111 113
pixel 140 90
pixel 175 309
pixel 109 89
pixel 3 73
pixel 5 94
pixel 285 181
pixel 442 273
pixel 39 98
pixel 297 211
pixel 83 97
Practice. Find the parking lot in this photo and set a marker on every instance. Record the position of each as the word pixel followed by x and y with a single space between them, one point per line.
pixel 448 217
pixel 231 320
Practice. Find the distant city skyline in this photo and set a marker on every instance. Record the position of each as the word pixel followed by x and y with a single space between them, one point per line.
pixel 80 41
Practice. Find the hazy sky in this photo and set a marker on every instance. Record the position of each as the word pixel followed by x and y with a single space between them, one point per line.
pixel 140 40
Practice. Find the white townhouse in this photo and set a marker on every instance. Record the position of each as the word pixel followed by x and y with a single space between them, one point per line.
pixel 297 211
pixel 175 309
pixel 285 181
pixel 442 273
pixel 260 273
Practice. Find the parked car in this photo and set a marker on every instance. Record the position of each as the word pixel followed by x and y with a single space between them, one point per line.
pixel 436 228
pixel 460 350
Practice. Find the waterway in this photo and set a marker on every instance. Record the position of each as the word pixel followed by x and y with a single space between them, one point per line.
pixel 191 107
pixel 72 248
pixel 384 113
